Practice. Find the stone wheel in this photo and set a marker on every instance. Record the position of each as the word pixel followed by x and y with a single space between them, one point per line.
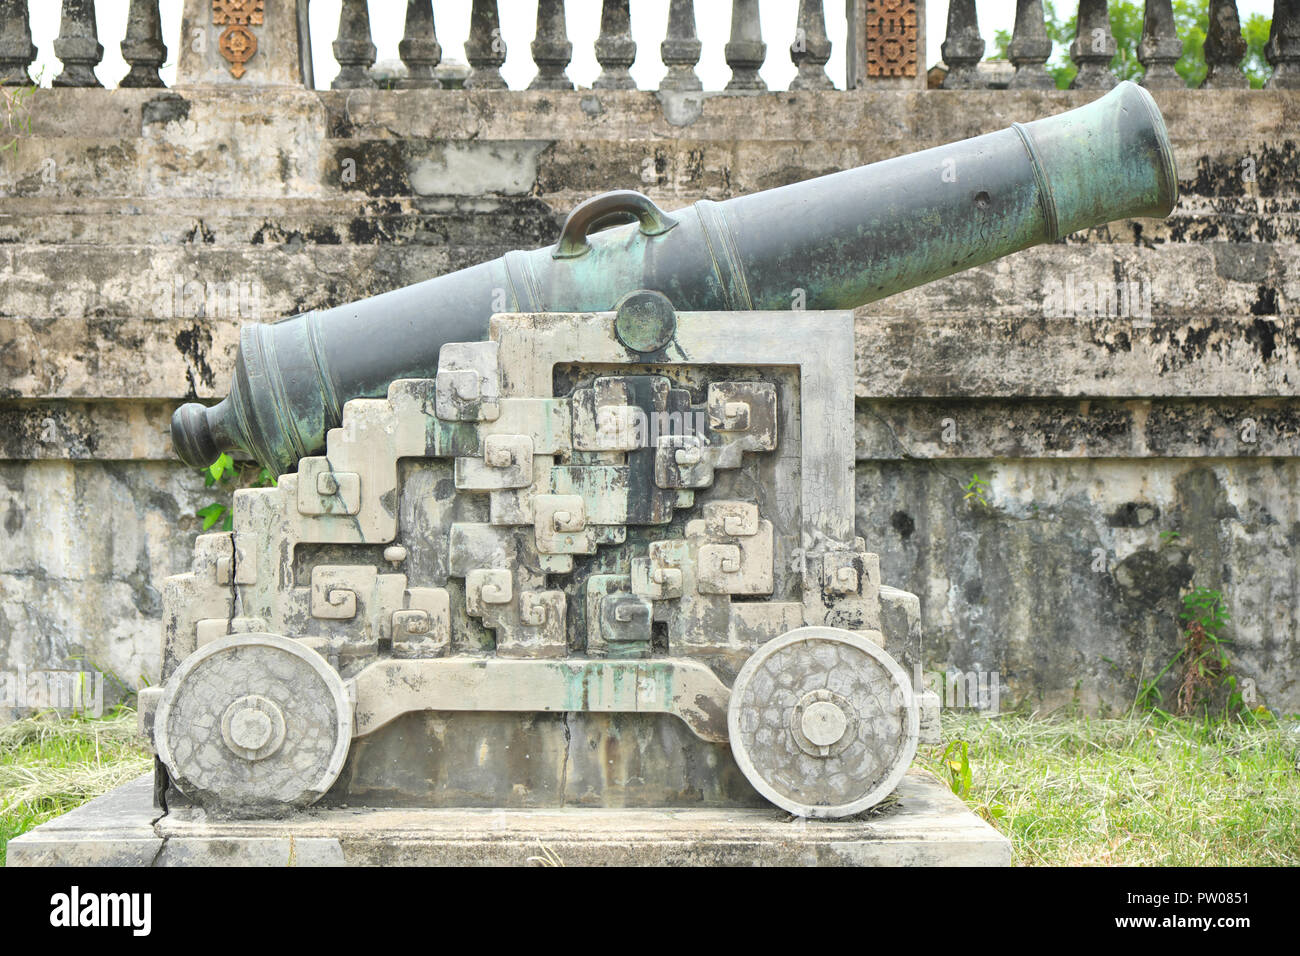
pixel 823 722
pixel 253 722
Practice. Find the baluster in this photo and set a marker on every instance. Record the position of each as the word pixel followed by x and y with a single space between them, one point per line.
pixel 615 49
pixel 77 45
pixel 962 48
pixel 485 49
pixel 680 50
pixel 1030 48
pixel 1283 47
pixel 419 48
pixel 16 48
pixel 551 48
pixel 1160 48
pixel 745 51
pixel 811 48
pixel 353 47
pixel 1093 47
pixel 1224 48
pixel 143 46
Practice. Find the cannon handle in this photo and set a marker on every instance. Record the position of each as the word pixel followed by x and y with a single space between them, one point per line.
pixel 588 215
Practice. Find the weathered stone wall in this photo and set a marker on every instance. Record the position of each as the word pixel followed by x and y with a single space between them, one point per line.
pixel 138 229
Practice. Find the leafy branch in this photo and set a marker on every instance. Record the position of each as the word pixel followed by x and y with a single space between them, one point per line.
pixel 1205 660
pixel 17 116
pixel 225 473
pixel 975 489
pixel 955 761
pixel 1205 664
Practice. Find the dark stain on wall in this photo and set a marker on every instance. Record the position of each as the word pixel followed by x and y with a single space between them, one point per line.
pixel 164 108
pixel 195 342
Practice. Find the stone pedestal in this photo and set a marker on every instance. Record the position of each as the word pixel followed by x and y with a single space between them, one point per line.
pixel 244 43
pixel 926 826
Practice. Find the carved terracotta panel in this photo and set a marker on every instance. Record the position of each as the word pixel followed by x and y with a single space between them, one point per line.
pixel 891 38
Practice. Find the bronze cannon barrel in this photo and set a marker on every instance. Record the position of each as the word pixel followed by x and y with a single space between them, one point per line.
pixel 845 240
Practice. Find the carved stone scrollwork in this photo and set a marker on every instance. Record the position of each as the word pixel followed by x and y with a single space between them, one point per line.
pixel 468 384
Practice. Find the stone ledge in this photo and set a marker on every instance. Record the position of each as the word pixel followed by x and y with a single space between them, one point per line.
pixel 896 116
pixel 927 827
pixel 262 145
pixel 137 430
pixel 1195 427
pixel 113 830
pixel 898 357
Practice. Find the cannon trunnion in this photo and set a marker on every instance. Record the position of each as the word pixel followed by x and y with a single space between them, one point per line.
pixel 653 548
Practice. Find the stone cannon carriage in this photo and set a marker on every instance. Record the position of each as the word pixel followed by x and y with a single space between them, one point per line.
pixel 603 554
pixel 670 531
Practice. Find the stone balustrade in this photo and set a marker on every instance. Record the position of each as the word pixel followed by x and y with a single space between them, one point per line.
pixel 887 39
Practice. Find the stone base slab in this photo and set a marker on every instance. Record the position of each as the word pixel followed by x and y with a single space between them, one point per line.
pixel 927 826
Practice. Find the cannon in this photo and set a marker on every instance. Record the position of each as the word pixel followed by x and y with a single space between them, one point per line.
pixel 845 239
pixel 576 526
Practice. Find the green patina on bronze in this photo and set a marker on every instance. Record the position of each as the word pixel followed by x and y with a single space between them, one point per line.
pixel 838 241
pixel 646 321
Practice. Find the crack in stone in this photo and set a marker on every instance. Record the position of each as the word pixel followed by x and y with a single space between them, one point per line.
pixel 564 768
pixel 161 846
pixel 904 450
pixel 154 824
pixel 234 576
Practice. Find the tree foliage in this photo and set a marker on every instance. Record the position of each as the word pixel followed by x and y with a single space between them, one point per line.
pixel 1191 19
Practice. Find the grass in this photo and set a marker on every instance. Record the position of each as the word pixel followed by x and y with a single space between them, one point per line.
pixel 1068 791
pixel 1140 791
pixel 50 764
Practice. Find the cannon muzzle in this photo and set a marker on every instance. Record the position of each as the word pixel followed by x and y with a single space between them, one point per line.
pixel 845 240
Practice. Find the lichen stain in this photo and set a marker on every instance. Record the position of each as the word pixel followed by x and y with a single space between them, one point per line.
pixel 1276 170
pixel 1133 514
pixel 13 519
pixel 271 232
pixel 194 343
pixel 1151 579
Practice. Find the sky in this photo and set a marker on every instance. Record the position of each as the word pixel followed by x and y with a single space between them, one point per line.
pixel 518 21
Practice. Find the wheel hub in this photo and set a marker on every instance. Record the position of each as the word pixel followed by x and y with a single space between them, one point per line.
pixel 823 723
pixel 253 727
